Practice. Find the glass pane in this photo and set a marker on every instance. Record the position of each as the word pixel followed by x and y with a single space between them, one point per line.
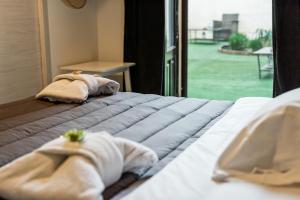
pixel 170 23
pixel 230 49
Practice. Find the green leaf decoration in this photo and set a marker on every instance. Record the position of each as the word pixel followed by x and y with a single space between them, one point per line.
pixel 74 135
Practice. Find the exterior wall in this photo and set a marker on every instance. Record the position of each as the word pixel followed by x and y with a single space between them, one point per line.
pixel 253 14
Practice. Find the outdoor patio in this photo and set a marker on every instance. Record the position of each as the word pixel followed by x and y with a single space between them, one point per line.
pixel 214 75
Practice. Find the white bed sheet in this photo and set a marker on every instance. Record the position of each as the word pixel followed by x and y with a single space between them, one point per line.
pixel 188 177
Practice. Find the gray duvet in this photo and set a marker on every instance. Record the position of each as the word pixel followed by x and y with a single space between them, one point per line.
pixel 165 124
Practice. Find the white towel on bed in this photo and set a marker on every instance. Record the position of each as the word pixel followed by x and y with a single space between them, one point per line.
pixel 267 149
pixel 73 170
pixel 76 87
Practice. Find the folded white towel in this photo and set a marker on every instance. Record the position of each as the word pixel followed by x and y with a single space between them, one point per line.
pixel 76 87
pixel 73 170
pixel 267 149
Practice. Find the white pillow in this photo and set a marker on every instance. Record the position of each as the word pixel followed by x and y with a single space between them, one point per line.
pixel 267 150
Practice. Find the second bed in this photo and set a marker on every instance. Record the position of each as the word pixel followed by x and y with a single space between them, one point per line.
pixel 167 125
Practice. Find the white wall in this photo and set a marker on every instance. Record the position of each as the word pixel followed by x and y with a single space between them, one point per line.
pixel 253 14
pixel 110 26
pixel 72 34
pixel 110 32
pixel 94 32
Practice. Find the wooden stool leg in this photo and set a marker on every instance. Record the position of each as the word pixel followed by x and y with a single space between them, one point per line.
pixel 127 81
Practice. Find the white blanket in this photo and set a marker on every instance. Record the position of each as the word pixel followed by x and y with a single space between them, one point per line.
pixel 72 170
pixel 188 176
pixel 76 87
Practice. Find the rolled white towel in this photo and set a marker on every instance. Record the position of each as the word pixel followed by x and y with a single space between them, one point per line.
pixel 77 87
pixel 73 170
pixel 90 80
pixel 96 84
pixel 106 86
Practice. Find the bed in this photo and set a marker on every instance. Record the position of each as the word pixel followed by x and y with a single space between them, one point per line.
pixel 189 176
pixel 168 125
pixel 187 134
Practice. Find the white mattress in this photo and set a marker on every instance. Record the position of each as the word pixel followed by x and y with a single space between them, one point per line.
pixel 188 177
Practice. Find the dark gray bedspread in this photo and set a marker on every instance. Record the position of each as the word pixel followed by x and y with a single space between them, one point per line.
pixel 165 124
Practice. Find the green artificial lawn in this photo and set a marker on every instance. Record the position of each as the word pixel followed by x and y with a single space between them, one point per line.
pixel 214 75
